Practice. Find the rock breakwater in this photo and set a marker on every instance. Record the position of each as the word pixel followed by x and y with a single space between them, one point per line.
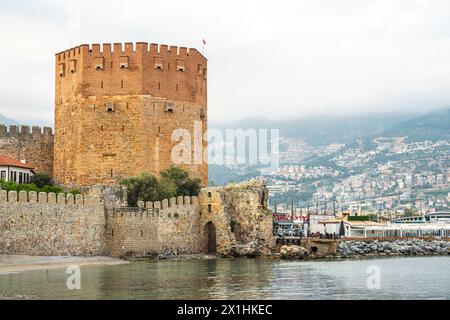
pixel 407 247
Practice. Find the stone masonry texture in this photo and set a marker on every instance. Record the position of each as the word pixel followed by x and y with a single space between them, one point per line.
pixel 117 106
pixel 41 224
pixel 50 225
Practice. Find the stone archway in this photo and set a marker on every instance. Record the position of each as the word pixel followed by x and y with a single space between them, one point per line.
pixel 210 230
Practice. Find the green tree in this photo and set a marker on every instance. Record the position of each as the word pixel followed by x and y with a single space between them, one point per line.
pixel 175 174
pixel 13 186
pixel 190 187
pixel 42 179
pixel 173 182
pixel 184 186
pixel 139 187
pixel 166 189
pixel 146 187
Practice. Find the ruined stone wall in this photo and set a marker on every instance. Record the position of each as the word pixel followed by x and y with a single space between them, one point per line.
pixel 152 91
pixel 240 216
pixel 51 225
pixel 35 146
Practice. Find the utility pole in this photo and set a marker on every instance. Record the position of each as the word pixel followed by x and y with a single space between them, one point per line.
pixel 334 205
pixel 325 209
pixel 292 211
pixel 317 204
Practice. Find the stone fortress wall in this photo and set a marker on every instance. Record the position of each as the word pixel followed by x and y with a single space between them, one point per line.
pixel 35 146
pixel 50 224
pixel 169 226
pixel 227 220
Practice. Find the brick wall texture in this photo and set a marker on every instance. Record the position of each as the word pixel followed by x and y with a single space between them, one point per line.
pixel 116 108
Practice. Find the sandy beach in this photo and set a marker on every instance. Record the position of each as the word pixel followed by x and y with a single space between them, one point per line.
pixel 16 263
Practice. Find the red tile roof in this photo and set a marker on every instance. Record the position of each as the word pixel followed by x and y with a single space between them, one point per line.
pixel 8 161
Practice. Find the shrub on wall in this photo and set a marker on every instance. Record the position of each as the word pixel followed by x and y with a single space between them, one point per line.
pixel 42 179
pixel 184 185
pixel 75 192
pixel 173 182
pixel 13 186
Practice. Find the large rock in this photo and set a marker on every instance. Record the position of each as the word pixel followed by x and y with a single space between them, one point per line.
pixel 293 252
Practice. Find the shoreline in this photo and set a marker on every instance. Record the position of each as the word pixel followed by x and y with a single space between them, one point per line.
pixel 12 264
pixel 21 263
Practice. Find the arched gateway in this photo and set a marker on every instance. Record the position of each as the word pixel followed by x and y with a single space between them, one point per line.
pixel 210 230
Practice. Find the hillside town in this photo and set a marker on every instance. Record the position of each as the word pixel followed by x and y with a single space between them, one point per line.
pixel 385 175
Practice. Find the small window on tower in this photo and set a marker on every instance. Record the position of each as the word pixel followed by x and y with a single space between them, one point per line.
pixel 170 108
pixel 110 107
pixel 123 62
pixel 73 66
pixel 99 63
pixel 181 65
pixel 158 62
pixel 61 70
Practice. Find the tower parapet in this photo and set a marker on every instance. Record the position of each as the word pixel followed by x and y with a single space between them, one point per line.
pixel 160 70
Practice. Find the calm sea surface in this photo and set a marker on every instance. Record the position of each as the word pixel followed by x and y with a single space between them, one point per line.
pixel 399 278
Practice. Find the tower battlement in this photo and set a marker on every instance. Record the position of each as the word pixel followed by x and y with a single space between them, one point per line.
pixel 128 47
pixel 160 70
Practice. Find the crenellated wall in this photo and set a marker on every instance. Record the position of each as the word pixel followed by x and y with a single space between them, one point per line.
pixel 176 73
pixel 168 226
pixel 35 146
pixel 229 220
pixel 51 224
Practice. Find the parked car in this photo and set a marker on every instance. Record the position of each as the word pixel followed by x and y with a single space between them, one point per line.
pixel 298 232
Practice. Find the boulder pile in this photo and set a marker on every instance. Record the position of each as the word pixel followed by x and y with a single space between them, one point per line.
pixel 393 248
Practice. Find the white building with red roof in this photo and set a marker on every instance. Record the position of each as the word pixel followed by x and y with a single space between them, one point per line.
pixel 15 170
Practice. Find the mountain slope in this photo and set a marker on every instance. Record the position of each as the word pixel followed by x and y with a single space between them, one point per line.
pixel 4 120
pixel 320 131
pixel 432 126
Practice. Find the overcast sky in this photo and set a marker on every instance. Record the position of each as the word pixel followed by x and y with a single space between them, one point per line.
pixel 274 59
